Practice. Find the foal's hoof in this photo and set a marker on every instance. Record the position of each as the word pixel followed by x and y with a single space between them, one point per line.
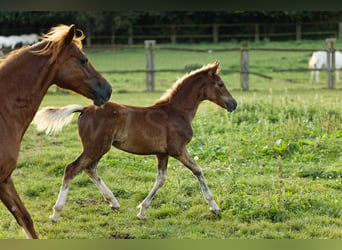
pixel 116 209
pixel 141 217
pixel 216 212
pixel 53 220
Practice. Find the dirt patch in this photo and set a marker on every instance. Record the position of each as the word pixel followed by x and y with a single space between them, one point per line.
pixel 121 236
pixel 86 202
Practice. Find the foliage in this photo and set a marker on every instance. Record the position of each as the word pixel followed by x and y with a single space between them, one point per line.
pixel 108 23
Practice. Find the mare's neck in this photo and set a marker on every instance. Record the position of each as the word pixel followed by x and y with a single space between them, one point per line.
pixel 24 81
pixel 188 97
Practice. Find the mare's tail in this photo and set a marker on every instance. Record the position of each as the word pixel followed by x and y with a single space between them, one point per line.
pixel 53 119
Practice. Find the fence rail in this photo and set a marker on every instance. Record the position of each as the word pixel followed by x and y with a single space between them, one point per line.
pixel 150 48
pixel 217 32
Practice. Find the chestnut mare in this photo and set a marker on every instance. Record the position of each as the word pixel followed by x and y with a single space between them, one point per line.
pixel 163 129
pixel 25 76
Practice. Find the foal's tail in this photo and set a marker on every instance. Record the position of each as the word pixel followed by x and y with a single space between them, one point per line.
pixel 53 119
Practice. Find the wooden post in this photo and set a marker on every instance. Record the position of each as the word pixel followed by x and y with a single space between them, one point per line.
pixel 333 63
pixel 328 63
pixel 88 35
pixel 173 34
pixel 130 35
pixel 244 66
pixel 331 48
pixel 215 33
pixel 298 30
pixel 257 32
pixel 150 74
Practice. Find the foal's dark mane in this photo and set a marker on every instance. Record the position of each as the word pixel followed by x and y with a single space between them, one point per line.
pixel 166 98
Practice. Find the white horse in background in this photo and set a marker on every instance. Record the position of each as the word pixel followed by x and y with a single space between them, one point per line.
pixel 12 41
pixel 29 39
pixel 318 60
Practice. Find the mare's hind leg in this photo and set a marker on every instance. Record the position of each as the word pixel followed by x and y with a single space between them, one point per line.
pixel 186 159
pixel 107 194
pixel 70 172
pixel 161 177
pixel 11 199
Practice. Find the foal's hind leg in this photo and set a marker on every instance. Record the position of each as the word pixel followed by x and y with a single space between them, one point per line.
pixel 70 172
pixel 11 199
pixel 186 159
pixel 161 177
pixel 107 194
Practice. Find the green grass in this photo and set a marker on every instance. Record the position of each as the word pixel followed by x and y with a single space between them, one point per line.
pixel 292 127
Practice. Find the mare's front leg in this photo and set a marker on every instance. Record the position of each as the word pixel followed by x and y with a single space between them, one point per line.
pixel 161 177
pixel 186 159
pixel 11 199
pixel 70 172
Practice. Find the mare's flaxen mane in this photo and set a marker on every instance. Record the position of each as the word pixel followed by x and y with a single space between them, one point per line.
pixel 55 41
pixel 166 98
pixel 54 44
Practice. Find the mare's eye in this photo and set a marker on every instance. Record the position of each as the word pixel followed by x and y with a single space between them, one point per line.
pixel 220 84
pixel 84 60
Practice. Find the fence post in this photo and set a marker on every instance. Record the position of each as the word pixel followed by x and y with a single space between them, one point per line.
pixel 149 53
pixel 331 48
pixel 257 32
pixel 244 66
pixel 215 33
pixel 130 35
pixel 173 34
pixel 298 30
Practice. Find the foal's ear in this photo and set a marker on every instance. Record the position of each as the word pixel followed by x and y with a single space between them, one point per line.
pixel 214 70
pixel 70 35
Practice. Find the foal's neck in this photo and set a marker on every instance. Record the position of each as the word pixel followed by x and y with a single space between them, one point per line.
pixel 187 99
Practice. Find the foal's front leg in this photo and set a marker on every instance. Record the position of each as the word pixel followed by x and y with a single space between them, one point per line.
pixel 70 172
pixel 161 177
pixel 186 159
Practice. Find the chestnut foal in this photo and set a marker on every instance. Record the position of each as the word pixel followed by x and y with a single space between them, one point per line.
pixel 163 129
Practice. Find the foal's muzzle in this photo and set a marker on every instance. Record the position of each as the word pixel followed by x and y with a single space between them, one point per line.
pixel 231 105
pixel 102 93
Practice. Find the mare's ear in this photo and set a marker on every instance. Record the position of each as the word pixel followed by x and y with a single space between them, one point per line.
pixel 214 69
pixel 70 35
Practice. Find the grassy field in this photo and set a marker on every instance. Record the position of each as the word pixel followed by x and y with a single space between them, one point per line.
pixel 274 166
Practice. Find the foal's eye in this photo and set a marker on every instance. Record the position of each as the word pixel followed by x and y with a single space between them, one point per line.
pixel 84 60
pixel 220 84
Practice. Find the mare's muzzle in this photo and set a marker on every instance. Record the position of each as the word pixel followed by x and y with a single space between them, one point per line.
pixel 101 93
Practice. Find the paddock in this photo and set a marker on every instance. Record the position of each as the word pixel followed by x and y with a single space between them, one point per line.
pixel 272 165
